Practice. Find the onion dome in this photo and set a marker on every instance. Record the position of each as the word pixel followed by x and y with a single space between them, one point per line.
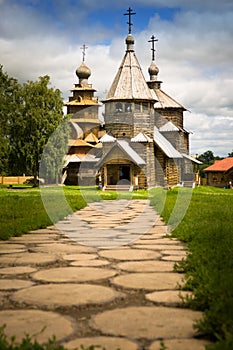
pixel 83 73
pixel 153 71
pixel 130 42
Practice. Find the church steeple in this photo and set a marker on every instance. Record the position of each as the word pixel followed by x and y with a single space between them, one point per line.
pixel 130 39
pixel 83 72
pixel 129 83
pixel 83 92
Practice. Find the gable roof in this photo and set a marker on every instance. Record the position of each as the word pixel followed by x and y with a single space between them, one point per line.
pixel 74 158
pixel 165 145
pixel 130 153
pixel 221 165
pixel 79 143
pixel 91 138
pixel 194 160
pixel 141 138
pixel 107 138
pixel 165 101
pixel 169 126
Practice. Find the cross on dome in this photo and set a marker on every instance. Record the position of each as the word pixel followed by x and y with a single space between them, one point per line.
pixel 84 47
pixel 153 40
pixel 130 13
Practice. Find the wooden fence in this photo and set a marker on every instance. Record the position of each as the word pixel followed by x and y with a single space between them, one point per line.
pixel 14 180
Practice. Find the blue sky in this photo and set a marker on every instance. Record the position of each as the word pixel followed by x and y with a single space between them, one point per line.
pixel 194 52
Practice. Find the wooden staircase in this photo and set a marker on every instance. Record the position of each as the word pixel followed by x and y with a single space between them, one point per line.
pixel 125 188
pixel 188 184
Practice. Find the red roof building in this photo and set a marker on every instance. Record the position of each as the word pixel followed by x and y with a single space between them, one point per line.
pixel 220 174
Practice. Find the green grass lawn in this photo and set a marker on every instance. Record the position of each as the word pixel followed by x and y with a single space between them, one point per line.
pixel 207 228
pixel 23 209
pixel 203 218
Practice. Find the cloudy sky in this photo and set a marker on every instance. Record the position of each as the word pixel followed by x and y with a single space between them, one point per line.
pixel 194 52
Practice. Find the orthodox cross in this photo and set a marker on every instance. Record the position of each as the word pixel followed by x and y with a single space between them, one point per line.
pixel 153 40
pixel 84 47
pixel 130 13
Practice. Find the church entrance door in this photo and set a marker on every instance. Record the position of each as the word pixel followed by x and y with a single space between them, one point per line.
pixel 124 172
pixel 118 172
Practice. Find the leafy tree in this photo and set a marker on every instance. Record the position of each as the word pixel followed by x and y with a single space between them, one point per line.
pixel 10 100
pixel 207 157
pixel 40 114
pixel 52 160
pixel 230 154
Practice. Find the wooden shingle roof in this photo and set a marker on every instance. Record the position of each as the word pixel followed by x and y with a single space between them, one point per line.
pixel 129 82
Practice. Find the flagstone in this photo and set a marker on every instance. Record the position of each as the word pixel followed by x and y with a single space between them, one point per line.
pixel 158 246
pixel 174 258
pixel 68 294
pixel 160 241
pixel 12 248
pixel 8 284
pixel 62 248
pixel 16 270
pixel 181 344
pixel 150 322
pixel 149 281
pixel 129 254
pixel 43 231
pixel 79 256
pixel 167 297
pixel 73 274
pixel 172 241
pixel 27 258
pixel 152 235
pixel 31 237
pixel 40 325
pixel 146 266
pixel 175 252
pixel 87 263
pixel 109 343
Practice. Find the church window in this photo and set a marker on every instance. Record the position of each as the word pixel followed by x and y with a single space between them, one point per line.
pixel 119 107
pixel 128 107
pixel 137 107
pixel 144 106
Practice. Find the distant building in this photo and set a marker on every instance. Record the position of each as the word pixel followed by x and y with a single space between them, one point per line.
pixel 220 174
pixel 143 142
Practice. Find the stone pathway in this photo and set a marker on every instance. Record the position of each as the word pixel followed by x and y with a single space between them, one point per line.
pixel 103 276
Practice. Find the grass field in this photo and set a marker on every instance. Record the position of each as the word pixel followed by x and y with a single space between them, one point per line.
pixel 23 209
pixel 203 219
pixel 207 228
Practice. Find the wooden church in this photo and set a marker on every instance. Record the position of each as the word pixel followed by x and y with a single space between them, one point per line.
pixel 141 143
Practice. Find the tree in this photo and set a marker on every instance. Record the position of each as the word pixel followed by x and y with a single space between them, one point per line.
pixel 230 154
pixel 207 157
pixel 9 103
pixel 51 165
pixel 41 112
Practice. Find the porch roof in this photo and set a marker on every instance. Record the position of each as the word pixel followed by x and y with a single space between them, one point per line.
pixel 165 145
pixel 74 158
pixel 127 149
pixel 194 160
